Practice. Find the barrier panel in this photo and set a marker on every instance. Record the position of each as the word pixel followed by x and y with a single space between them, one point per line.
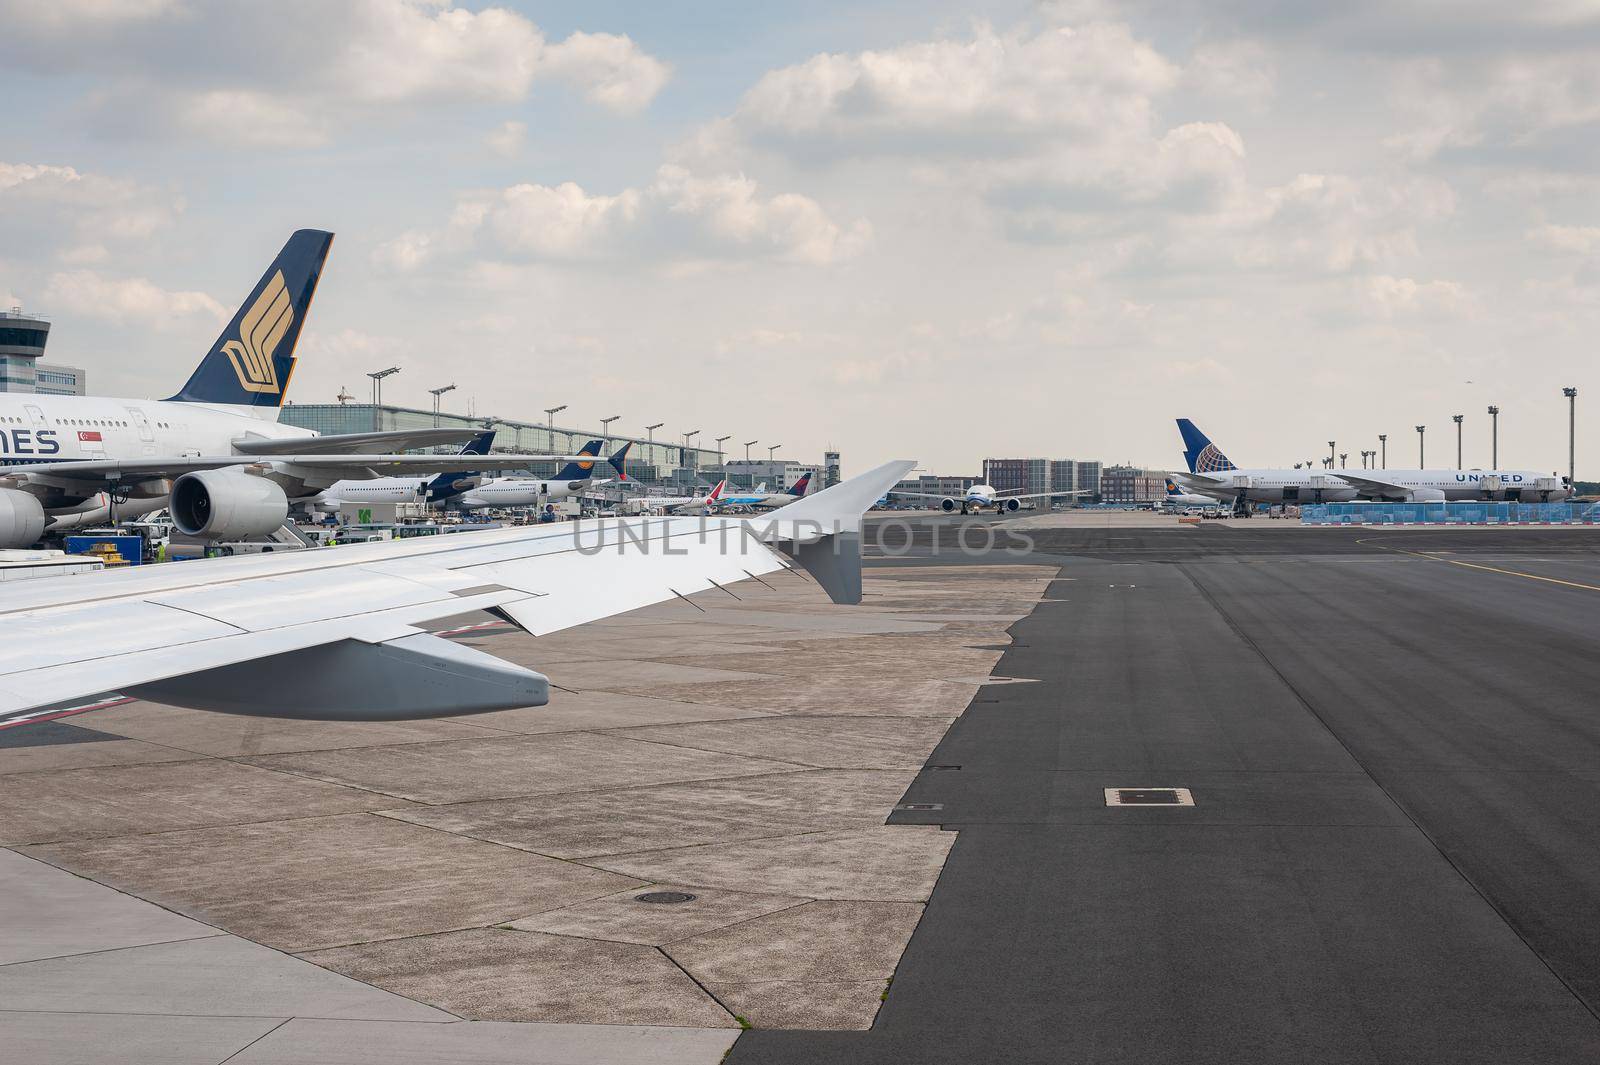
pixel 1448 513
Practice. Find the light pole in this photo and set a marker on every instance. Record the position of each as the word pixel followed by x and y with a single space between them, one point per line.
pixel 1383 442
pixel 377 391
pixel 747 444
pixel 1457 419
pixel 605 425
pixel 1494 438
pixel 1572 434
pixel 770 451
pixel 1343 455
pixel 1422 453
pixel 550 422
pixel 437 392
pixel 720 441
pixel 1331 448
pixel 650 432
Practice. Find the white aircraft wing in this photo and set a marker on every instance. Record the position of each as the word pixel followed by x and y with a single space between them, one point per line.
pixel 337 633
pixel 115 471
pixel 352 443
pixel 1041 495
pixel 1374 486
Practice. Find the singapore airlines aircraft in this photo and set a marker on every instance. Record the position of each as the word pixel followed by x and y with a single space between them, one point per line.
pixel 336 632
pixel 980 496
pixel 214 453
pixel 1210 473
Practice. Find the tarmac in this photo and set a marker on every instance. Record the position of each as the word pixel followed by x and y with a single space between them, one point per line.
pixel 893 821
pixel 182 886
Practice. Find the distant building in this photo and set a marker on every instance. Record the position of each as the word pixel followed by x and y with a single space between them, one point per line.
pixel 22 341
pixel 951 485
pixel 779 474
pixel 1017 475
pixel 1044 475
pixel 1130 484
pixel 832 474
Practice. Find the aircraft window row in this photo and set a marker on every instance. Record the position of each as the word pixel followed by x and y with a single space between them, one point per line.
pixel 103 422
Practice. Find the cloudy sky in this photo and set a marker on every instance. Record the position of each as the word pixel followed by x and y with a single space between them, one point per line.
pixel 928 229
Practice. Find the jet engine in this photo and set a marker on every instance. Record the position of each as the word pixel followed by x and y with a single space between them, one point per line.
pixel 21 518
pixel 1427 495
pixel 1008 504
pixel 227 504
pixel 949 505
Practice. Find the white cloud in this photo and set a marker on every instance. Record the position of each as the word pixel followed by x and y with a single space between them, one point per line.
pixel 295 72
pixel 1089 82
pixel 1404 295
pixel 679 217
pixel 610 70
pixel 45 200
pixel 1580 240
pixel 507 138
pixel 127 300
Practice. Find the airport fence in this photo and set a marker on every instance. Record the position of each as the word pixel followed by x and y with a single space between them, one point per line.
pixel 1449 514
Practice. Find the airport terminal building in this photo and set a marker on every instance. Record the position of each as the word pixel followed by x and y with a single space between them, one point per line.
pixel 649 462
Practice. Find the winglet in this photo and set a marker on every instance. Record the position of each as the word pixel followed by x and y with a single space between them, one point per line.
pixel 822 532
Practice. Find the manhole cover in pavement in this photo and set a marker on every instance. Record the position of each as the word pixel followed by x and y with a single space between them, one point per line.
pixel 664 896
pixel 1149 797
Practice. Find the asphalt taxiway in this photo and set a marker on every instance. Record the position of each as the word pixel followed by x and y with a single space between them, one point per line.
pixel 1391 742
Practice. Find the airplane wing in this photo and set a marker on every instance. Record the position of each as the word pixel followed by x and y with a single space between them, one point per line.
pixel 115 471
pixel 1042 495
pixel 337 633
pixel 354 443
pixel 1375 487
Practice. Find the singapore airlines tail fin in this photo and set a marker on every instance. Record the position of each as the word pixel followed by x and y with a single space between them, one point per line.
pixel 251 362
pixel 1199 452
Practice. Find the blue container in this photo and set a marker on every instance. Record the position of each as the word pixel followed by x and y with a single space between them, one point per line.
pixel 129 547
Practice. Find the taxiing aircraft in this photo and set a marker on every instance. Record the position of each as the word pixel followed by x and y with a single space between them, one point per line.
pixel 1212 474
pixel 980 496
pixel 337 633
pixel 213 453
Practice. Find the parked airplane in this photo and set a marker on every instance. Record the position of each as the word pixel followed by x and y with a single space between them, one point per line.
pixel 1176 498
pixel 416 489
pixel 980 496
pixel 333 633
pixel 214 453
pixel 761 499
pixel 700 504
pixel 572 480
pixel 1212 474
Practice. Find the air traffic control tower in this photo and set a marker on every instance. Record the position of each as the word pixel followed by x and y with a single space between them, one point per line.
pixel 22 341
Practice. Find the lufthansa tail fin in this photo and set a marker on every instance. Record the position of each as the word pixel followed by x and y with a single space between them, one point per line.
pixel 581 471
pixel 251 362
pixel 1199 452
pixel 619 461
pixel 800 486
pixel 447 486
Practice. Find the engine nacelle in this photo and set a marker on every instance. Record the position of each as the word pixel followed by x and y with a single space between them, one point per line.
pixel 1427 495
pixel 1009 505
pixel 227 505
pixel 21 518
pixel 949 506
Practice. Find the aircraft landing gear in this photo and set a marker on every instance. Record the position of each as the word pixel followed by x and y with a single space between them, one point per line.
pixel 964 510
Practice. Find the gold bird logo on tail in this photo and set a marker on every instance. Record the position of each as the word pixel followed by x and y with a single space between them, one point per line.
pixel 260 330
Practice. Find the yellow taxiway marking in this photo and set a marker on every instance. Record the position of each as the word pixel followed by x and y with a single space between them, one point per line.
pixel 1434 557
